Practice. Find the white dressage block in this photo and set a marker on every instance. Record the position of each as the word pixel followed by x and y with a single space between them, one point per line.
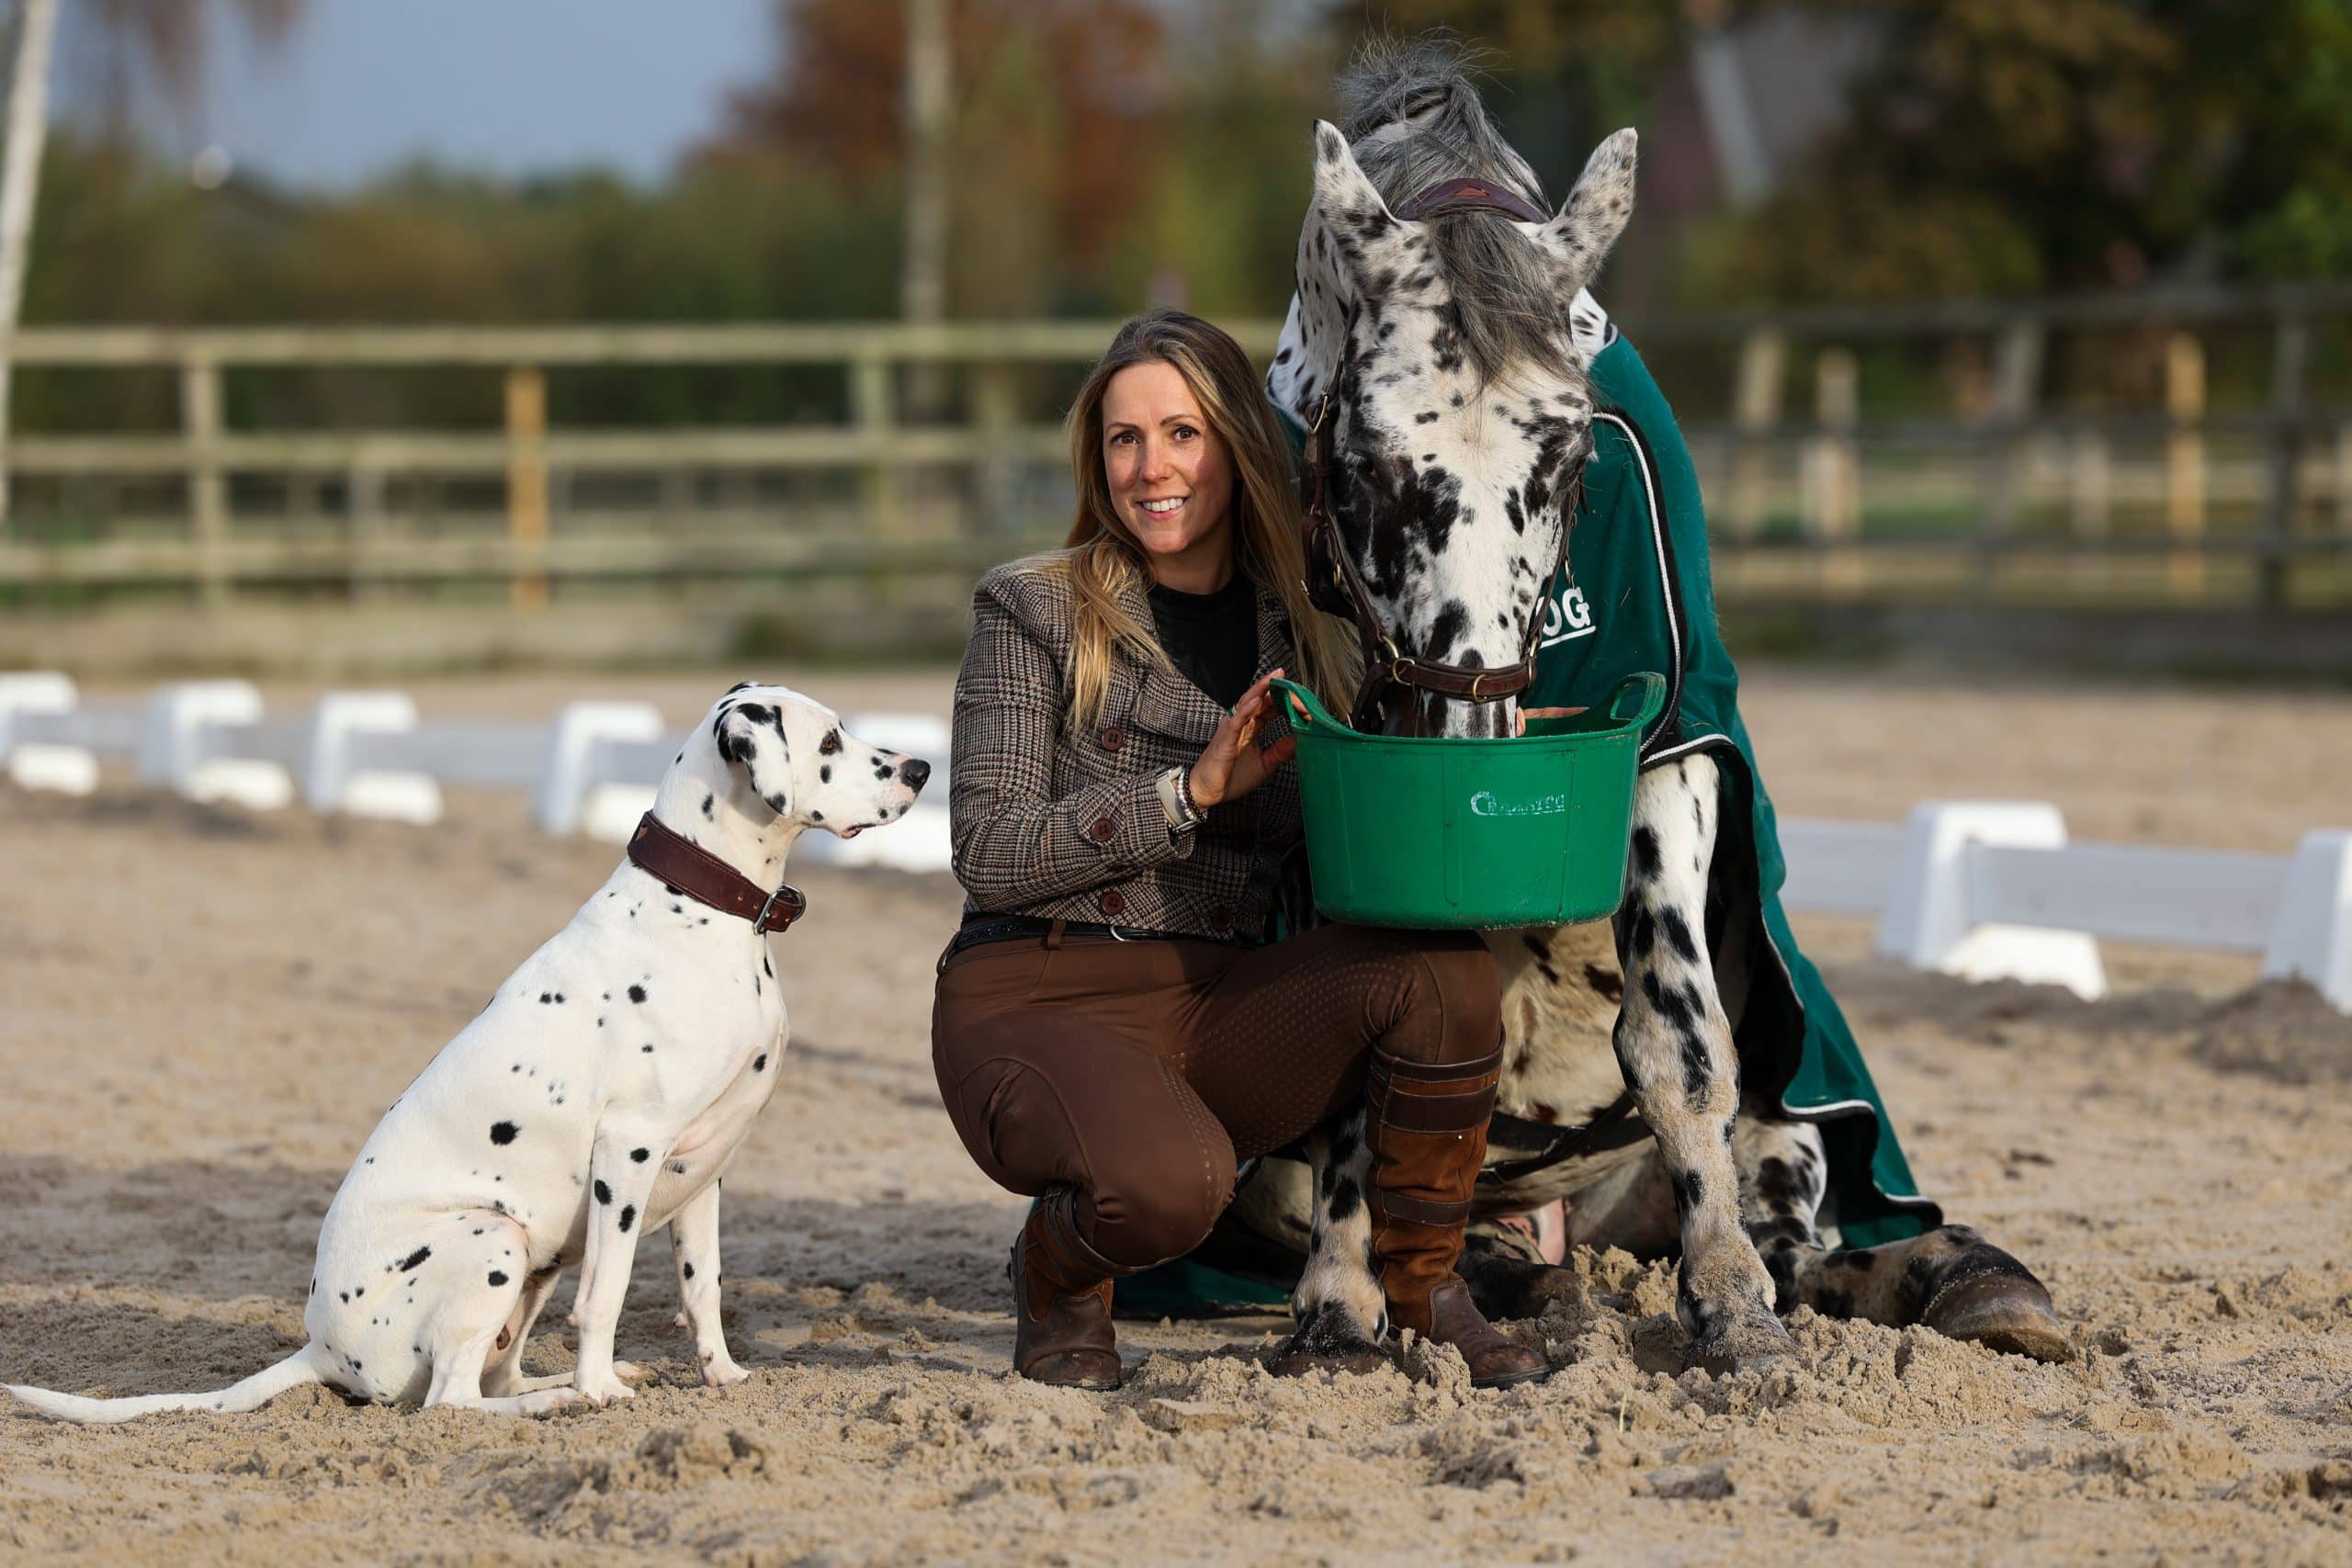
pixel 1939 915
pixel 34 764
pixel 2311 937
pixel 571 798
pixel 332 781
pixel 172 751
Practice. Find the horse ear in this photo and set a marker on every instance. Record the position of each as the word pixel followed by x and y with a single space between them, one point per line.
pixel 1596 212
pixel 1343 196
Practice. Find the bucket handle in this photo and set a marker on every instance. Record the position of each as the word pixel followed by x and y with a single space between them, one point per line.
pixel 1634 702
pixel 1636 699
pixel 1314 713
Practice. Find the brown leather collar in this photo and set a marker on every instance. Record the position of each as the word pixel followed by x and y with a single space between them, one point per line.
pixel 702 876
pixel 1470 196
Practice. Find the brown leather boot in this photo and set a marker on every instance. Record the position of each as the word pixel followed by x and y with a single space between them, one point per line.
pixel 1061 1302
pixel 1426 1135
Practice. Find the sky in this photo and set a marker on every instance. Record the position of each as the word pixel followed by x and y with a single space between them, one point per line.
pixel 511 87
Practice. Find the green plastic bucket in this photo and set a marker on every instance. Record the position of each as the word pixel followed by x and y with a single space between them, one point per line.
pixel 1472 834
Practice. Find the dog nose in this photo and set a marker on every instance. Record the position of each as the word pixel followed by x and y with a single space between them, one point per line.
pixel 916 772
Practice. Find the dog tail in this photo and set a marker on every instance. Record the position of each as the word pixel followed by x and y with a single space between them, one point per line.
pixel 292 1372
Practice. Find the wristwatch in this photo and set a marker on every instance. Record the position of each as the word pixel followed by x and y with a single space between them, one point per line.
pixel 1175 790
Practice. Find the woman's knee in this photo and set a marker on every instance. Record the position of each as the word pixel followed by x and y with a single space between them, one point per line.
pixel 1460 988
pixel 1159 1199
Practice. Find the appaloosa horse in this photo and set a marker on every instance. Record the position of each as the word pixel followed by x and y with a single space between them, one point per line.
pixel 1433 350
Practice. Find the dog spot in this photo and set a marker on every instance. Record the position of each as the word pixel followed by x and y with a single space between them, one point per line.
pixel 604 1193
pixel 640 1155
pixel 706 804
pixel 647 1049
pixel 414 1259
pixel 687 1269
pixel 502 1132
pixel 761 1065
pixel 628 1217
pixel 1345 1200
pixel 637 993
pixel 825 773
pixel 497 1278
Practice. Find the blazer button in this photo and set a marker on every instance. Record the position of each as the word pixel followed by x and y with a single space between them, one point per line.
pixel 1103 829
pixel 1113 738
pixel 1113 903
pixel 1221 917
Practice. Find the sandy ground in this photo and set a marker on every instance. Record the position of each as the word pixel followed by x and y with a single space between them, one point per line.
pixel 204 1012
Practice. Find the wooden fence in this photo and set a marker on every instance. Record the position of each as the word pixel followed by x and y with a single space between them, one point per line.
pixel 1957 452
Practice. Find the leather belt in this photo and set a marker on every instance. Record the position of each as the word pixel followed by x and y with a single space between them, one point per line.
pixel 1016 928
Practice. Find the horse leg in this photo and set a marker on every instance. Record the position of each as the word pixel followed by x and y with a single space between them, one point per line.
pixel 1673 1043
pixel 1341 1311
pixel 1951 1280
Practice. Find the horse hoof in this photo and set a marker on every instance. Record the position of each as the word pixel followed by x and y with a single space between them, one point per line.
pixel 1741 1343
pixel 2008 1312
pixel 1321 1345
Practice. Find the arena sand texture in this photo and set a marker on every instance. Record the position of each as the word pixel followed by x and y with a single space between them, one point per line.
pixel 204 1012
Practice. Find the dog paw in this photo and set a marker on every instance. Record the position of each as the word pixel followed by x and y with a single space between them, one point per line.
pixel 548 1401
pixel 719 1370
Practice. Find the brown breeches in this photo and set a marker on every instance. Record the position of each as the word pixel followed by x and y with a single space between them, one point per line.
pixel 1139 1073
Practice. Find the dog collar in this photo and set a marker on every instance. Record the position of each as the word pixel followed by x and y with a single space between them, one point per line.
pixel 690 869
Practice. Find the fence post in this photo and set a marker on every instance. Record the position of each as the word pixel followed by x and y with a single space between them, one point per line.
pixel 526 488
pixel 571 800
pixel 329 781
pixel 1833 496
pixel 1756 408
pixel 2185 463
pixel 2017 378
pixel 870 410
pixel 995 409
pixel 2290 353
pixel 208 486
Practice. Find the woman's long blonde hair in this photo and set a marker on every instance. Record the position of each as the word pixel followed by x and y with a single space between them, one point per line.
pixel 1102 560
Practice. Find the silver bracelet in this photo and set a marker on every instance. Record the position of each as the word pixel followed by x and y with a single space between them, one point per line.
pixel 1175 791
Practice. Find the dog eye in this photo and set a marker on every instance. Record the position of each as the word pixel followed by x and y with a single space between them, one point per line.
pixel 832 743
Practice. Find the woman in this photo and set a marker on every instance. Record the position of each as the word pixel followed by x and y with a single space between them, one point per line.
pixel 1106 1038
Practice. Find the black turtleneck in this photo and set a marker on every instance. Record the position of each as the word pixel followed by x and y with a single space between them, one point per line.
pixel 1212 639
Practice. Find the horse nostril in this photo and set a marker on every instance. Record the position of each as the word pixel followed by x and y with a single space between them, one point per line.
pixel 916 772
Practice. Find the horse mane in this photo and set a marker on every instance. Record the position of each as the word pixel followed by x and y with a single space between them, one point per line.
pixel 1413 118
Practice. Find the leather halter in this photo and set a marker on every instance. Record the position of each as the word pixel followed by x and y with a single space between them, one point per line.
pixel 682 867
pixel 1388 668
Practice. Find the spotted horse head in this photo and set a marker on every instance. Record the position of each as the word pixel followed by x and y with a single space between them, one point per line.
pixel 1433 334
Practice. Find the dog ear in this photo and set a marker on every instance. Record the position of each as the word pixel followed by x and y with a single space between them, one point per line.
pixel 750 735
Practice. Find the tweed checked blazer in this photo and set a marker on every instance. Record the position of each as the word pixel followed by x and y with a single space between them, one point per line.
pixel 1068 823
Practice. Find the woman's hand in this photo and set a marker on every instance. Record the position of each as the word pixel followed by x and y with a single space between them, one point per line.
pixel 1232 765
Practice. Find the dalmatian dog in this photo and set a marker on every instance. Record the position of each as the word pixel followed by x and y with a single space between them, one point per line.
pixel 598 1097
pixel 1452 356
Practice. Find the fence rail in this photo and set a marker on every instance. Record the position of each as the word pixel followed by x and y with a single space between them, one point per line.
pixel 1982 889
pixel 2188 495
